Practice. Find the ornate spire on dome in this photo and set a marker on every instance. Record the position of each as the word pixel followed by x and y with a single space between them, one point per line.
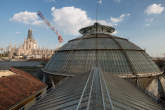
pixel 97 28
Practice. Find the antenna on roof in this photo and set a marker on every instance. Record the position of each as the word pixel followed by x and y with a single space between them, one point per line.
pixel 97 6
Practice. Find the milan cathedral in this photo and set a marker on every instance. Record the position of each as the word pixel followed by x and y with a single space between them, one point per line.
pixel 29 49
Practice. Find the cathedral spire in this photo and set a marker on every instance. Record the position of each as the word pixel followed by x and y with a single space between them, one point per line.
pixel 30 34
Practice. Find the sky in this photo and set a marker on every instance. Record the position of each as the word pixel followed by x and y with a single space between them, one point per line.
pixel 140 21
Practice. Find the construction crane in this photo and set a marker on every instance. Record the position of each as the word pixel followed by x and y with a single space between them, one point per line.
pixel 60 39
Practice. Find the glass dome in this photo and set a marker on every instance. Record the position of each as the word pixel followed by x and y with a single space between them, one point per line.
pixel 98 47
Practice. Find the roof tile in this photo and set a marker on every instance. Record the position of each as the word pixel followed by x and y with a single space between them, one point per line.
pixel 16 88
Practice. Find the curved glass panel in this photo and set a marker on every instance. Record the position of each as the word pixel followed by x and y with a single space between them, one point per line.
pixel 127 45
pixel 141 63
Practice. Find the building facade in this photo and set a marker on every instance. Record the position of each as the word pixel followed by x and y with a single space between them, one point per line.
pixel 29 49
pixel 28 46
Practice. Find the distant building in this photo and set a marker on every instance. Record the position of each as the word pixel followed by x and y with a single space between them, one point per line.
pixel 160 61
pixel 2 52
pixel 28 46
pixel 29 49
pixel 19 90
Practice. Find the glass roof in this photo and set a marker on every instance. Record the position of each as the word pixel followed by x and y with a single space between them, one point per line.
pixel 96 90
pixel 114 54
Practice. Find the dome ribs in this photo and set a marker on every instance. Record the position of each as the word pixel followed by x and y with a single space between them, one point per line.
pixel 126 56
pixel 113 54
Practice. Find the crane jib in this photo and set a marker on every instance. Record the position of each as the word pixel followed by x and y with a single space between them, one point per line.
pixel 60 39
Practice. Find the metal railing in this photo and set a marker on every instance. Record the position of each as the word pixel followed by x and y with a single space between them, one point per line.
pixel 95 87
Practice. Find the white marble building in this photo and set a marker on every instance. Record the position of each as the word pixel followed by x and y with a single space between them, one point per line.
pixel 30 49
pixel 28 46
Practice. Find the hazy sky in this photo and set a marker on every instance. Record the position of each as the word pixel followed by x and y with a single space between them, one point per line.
pixel 141 21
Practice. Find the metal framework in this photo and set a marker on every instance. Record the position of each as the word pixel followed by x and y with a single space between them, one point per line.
pixel 95 87
pixel 126 56
pixel 95 91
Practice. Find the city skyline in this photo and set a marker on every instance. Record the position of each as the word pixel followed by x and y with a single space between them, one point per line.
pixel 139 21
